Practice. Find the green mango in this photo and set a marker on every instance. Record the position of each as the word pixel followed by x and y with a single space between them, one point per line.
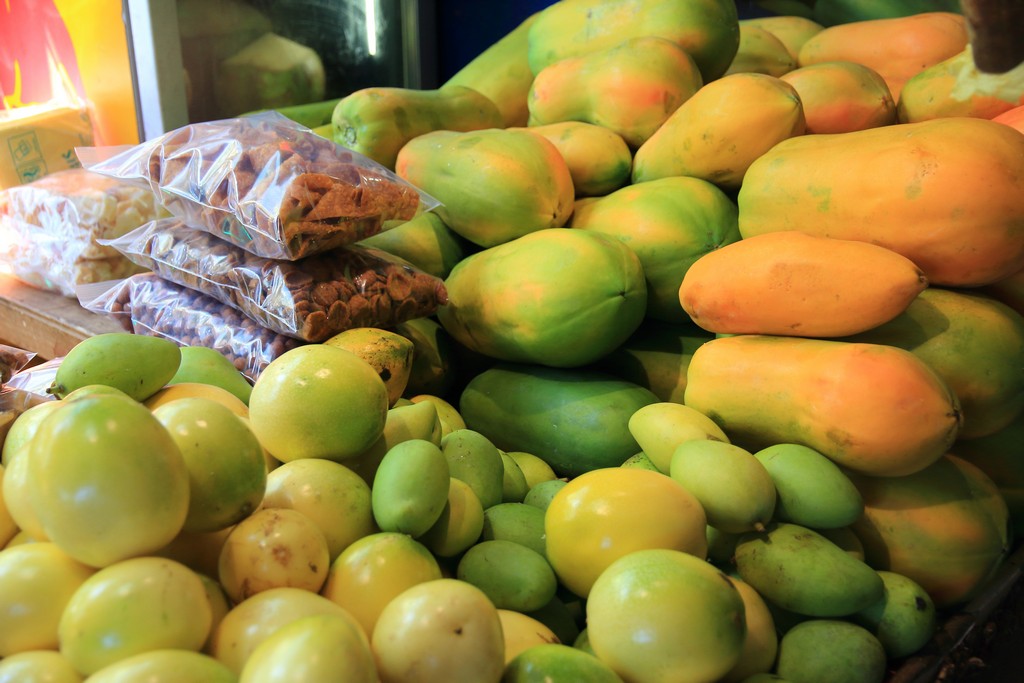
pixel 708 30
pixel 904 620
pixel 209 366
pixel 402 423
pixel 136 364
pixel 410 487
pixel 575 420
pixel 557 663
pixel 640 460
pixel 540 494
pixel 513 487
pixel 560 618
pixel 831 650
pixel 474 459
pixel 556 297
pixel 812 490
pixel 800 570
pixel 517 522
pixel 424 241
pixel 494 185
pixel 668 223
pixel 512 575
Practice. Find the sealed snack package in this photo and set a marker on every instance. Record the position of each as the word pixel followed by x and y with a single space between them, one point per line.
pixel 12 360
pixel 147 304
pixel 49 229
pixel 312 299
pixel 266 184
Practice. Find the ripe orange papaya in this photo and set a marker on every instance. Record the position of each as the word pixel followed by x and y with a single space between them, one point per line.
pixel 840 97
pixel 945 527
pixel 1014 118
pixel 870 408
pixel 944 193
pixel 794 284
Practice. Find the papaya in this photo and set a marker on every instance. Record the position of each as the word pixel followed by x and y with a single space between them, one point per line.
pixel 1009 290
pixel 424 241
pixel 502 74
pixel 716 134
pixel 760 52
pixel 376 122
pixel 708 30
pixel 656 357
pixel 974 343
pixel 895 47
pixel 556 297
pixel 998 455
pixel 945 527
pixel 630 87
pixel 575 419
pixel 956 87
pixel 870 408
pixel 832 12
pixel 944 193
pixel 599 160
pixel 792 283
pixel 494 184
pixel 841 97
pixel 1014 118
pixel 669 224
pixel 792 30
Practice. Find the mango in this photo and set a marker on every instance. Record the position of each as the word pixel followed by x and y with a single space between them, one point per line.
pixel 425 242
pixel 557 297
pixel 473 459
pixel 494 185
pixel 791 30
pixel 574 419
pixel 708 30
pixel 460 524
pixel 974 343
pixel 629 88
pixel 800 570
pixel 719 132
pixel 599 159
pixel 138 365
pixel 377 122
pixel 557 663
pixel 434 363
pixel 387 352
pixel 904 620
pixel 831 650
pixel 669 223
pixel 945 527
pixel 850 402
pixel 761 643
pixel 402 423
pixel 209 366
pixel 661 427
pixel 512 575
pixel 841 97
pixel 761 52
pixel 812 490
pixel 513 486
pixel 410 487
pixel 516 522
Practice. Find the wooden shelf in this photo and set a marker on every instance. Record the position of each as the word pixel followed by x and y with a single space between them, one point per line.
pixel 45 322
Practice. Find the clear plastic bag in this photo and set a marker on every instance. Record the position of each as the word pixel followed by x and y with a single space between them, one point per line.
pixel 49 229
pixel 266 184
pixel 148 304
pixel 311 300
pixel 12 361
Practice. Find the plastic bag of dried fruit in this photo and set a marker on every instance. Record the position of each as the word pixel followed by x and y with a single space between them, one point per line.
pixel 266 184
pixel 311 300
pixel 49 228
pixel 148 304
pixel 12 360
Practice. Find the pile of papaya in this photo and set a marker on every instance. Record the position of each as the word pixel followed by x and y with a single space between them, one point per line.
pixel 806 228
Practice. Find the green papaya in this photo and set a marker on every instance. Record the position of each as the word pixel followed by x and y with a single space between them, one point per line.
pixel 792 30
pixel 707 29
pixel 999 456
pixel 424 241
pixel 668 223
pixel 575 420
pixel 377 122
pixel 556 297
pixel 832 12
pixel 761 52
pixel 494 185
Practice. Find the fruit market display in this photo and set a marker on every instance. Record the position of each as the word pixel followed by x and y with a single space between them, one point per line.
pixel 726 385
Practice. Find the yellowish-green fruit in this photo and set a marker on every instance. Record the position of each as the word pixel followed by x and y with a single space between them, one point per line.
pixel 513 486
pixel 800 570
pixel 846 539
pixel 475 460
pixel 16 500
pixel 165 666
pixel 433 362
pixel 424 241
pixel 131 607
pixel 136 364
pixel 327 648
pixel 812 490
pixel 904 620
pixel 209 366
pixel 8 527
pixel 540 495
pixel 660 427
pixel 733 487
pixel 721 546
pixel 516 522
pixel 640 593
pixel 534 468
pixel 38 666
pixel 318 401
pixel 106 480
pixel 175 392
pixel 375 569
pixel 460 524
pixel 558 663
pixel 831 650
pixel 402 423
pixel 522 632
pixel 561 617
pixel 36 582
pixel 599 159
pixel 329 493
pixel 24 428
pixel 446 413
pixel 410 488
pixel 92 390
pixel 389 353
pixel 227 474
pixel 792 30
pixel 273 548
pixel 642 461
pixel 761 52
pixel 512 575
pixel 443 630
pixel 761 643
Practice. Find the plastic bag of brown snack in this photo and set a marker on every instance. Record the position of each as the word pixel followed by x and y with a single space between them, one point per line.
pixel 49 229
pixel 312 299
pixel 266 184
pixel 148 304
pixel 12 360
